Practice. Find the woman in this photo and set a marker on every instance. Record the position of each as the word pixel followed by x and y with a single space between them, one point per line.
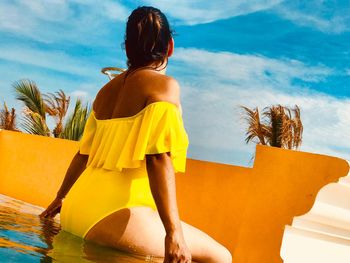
pixel 120 187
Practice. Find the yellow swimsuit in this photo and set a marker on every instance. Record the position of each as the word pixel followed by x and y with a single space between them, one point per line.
pixel 115 176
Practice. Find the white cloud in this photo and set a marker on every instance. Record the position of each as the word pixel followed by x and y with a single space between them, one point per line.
pixel 250 69
pixel 327 17
pixel 201 11
pixel 55 10
pixel 88 21
pixel 53 60
pixel 82 94
pixel 13 20
pixel 116 11
pixel 221 82
pixel 61 20
pixel 40 19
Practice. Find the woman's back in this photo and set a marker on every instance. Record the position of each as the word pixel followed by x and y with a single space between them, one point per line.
pixel 123 99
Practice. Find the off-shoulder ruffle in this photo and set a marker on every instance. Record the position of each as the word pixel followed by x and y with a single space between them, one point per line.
pixel 114 144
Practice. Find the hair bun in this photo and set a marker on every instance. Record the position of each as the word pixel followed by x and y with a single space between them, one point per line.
pixel 147 37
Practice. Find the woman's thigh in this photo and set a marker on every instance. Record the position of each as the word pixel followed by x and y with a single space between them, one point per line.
pixel 140 230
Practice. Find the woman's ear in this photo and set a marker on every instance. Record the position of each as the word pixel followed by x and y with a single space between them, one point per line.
pixel 171 47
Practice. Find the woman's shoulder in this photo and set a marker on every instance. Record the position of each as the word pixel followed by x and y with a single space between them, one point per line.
pixel 104 92
pixel 166 89
pixel 152 87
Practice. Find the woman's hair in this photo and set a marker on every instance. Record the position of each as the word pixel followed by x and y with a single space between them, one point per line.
pixel 147 37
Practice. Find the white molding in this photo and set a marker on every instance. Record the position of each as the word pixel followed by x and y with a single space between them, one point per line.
pixel 323 234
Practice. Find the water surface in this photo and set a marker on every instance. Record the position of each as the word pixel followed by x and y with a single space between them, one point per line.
pixel 24 237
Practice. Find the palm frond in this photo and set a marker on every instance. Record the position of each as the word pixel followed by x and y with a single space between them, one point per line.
pixel 255 128
pixel 33 123
pixel 297 127
pixel 56 105
pixel 28 92
pixel 75 124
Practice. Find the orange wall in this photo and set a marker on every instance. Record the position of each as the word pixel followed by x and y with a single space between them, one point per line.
pixel 246 209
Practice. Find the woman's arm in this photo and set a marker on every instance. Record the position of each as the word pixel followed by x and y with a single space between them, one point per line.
pixel 75 169
pixel 162 183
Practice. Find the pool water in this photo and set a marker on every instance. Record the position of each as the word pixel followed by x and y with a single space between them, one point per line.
pixel 24 237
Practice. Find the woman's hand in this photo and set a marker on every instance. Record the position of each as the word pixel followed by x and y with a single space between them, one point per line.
pixel 53 209
pixel 175 249
pixel 75 169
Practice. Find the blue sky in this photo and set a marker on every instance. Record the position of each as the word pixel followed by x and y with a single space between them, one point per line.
pixel 228 53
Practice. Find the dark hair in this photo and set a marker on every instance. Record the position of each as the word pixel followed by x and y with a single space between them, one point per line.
pixel 147 37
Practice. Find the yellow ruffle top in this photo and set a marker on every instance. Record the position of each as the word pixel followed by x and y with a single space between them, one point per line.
pixel 118 143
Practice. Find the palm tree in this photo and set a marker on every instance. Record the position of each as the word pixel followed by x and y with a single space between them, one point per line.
pixel 57 106
pixel 54 104
pixel 8 119
pixel 279 129
pixel 35 119
pixel 74 126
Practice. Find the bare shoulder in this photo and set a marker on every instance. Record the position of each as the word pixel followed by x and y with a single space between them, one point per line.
pixel 103 92
pixel 167 89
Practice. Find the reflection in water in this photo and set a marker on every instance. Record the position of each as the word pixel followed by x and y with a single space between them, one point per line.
pixel 24 237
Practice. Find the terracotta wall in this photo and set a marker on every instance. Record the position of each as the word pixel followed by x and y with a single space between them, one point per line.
pixel 246 209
